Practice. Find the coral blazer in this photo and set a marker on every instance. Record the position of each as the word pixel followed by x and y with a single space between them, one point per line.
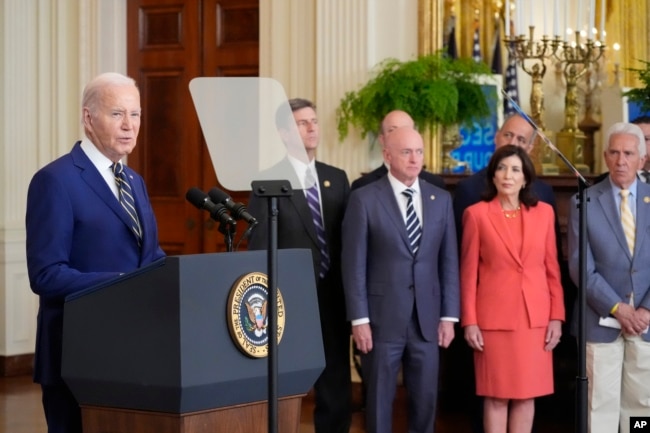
pixel 495 276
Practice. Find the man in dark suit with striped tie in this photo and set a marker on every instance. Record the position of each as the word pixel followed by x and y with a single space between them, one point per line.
pixel 400 273
pixel 311 218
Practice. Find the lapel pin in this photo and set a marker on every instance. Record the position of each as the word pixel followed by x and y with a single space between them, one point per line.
pixel 327 184
pixel 432 197
pixel 646 199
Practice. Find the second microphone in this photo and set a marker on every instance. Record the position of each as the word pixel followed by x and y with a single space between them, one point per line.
pixel 237 210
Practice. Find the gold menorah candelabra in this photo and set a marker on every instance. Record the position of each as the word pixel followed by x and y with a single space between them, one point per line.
pixel 576 59
pixel 531 55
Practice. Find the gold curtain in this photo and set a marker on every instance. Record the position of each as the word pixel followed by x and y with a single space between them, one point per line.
pixel 433 25
pixel 628 23
pixel 430 19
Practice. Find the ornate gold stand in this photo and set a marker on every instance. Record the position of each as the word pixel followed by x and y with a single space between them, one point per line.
pixel 576 59
pixel 536 52
pixel 451 140
pixel 589 123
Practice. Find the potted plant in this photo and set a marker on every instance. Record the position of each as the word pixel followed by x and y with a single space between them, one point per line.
pixel 641 95
pixel 434 89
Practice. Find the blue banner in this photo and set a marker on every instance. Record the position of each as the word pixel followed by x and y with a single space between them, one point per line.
pixel 478 141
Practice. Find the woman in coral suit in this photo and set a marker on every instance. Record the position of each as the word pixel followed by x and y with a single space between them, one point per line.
pixel 511 294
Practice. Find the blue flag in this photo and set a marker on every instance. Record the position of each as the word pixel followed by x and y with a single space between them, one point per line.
pixel 476 46
pixel 452 48
pixel 511 86
pixel 497 58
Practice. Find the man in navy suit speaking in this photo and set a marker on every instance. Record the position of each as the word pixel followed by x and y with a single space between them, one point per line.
pixel 88 220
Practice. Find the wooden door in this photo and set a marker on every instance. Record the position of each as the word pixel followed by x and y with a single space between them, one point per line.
pixel 170 42
pixel 230 49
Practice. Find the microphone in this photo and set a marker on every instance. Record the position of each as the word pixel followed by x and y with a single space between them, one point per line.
pixel 238 210
pixel 218 212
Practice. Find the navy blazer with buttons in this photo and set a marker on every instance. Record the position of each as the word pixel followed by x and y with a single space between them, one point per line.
pixel 78 236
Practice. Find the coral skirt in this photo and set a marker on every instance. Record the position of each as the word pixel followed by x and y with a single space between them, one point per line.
pixel 514 364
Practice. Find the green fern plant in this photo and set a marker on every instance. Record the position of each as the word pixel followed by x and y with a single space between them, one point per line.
pixel 434 89
pixel 641 95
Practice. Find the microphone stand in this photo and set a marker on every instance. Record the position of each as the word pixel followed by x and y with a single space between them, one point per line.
pixel 272 189
pixel 582 381
pixel 248 232
pixel 228 231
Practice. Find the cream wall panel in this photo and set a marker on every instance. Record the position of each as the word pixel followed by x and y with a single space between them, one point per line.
pixel 49 50
pixel 319 49
pixel 287 45
pixel 19 135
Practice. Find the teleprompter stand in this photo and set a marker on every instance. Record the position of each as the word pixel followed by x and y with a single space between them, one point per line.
pixel 582 381
pixel 271 190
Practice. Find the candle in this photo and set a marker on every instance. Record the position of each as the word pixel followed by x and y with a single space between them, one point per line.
pixel 530 13
pixel 566 19
pixel 556 20
pixel 579 17
pixel 602 21
pixel 592 18
pixel 545 12
pixel 518 20
pixel 617 50
pixel 506 18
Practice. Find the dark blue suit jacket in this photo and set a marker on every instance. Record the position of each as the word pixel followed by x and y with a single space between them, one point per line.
pixel 296 226
pixel 78 235
pixel 381 171
pixel 383 281
pixel 386 283
pixel 296 229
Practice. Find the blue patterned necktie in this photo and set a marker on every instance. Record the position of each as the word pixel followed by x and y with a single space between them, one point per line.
pixel 413 227
pixel 126 199
pixel 313 201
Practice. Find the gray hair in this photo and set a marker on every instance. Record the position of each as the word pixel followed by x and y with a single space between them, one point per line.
pixel 627 128
pixel 93 90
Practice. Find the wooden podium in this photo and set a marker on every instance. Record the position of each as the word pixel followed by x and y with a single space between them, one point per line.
pixel 151 351
pixel 246 418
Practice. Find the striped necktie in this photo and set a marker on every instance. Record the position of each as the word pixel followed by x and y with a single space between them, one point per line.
pixel 413 227
pixel 627 220
pixel 313 200
pixel 127 201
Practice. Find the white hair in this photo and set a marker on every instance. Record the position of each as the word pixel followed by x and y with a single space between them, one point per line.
pixel 627 128
pixel 93 90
